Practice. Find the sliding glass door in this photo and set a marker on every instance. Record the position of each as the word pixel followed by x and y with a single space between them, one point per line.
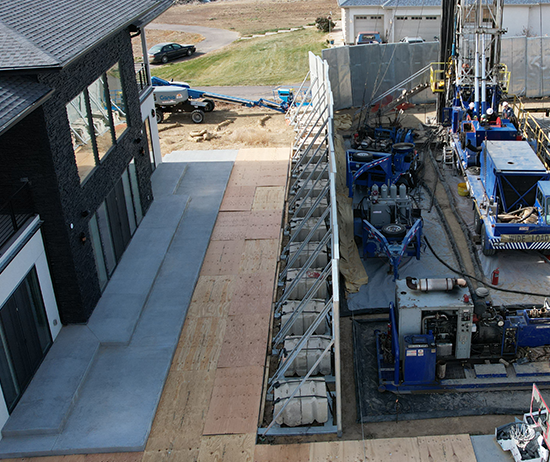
pixel 24 338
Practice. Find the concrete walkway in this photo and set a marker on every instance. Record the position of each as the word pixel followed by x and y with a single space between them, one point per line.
pixel 99 386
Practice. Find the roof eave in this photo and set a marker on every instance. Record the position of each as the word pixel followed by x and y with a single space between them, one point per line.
pixel 24 113
pixel 29 70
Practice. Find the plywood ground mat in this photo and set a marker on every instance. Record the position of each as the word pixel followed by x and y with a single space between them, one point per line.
pixel 374 406
pixel 211 403
pixel 456 448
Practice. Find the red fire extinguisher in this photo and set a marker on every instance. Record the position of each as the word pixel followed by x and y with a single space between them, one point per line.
pixel 494 278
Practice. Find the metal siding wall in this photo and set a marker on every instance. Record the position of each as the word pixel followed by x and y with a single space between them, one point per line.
pixel 339 72
pixel 360 73
pixel 528 60
pixel 533 67
pixel 545 68
pixel 513 55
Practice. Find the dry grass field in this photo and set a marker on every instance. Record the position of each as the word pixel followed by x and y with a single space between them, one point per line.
pixel 251 16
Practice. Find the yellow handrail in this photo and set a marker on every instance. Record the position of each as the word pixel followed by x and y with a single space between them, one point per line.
pixel 530 129
pixel 437 77
pixel 504 78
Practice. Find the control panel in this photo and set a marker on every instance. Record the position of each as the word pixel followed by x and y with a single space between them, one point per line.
pixel 464 332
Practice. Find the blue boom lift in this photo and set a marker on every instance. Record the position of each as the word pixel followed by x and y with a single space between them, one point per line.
pixel 285 95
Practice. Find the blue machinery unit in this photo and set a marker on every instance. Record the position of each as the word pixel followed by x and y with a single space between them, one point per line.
pixel 511 196
pixel 435 341
pixel 368 168
pixel 467 140
pixel 384 215
pixel 511 192
pixel 419 357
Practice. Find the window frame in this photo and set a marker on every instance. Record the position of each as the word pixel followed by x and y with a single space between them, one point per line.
pixel 104 82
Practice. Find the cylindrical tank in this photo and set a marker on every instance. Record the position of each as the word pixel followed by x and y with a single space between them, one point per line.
pixel 436 284
pixel 402 191
pixel 384 191
pixel 393 191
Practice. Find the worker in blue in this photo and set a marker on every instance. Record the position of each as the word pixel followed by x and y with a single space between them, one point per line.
pixel 507 111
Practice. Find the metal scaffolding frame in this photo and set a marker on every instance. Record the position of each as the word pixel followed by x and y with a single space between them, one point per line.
pixel 311 212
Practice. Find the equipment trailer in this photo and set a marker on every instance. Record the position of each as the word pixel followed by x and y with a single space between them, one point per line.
pixel 511 197
pixel 175 99
pixel 384 216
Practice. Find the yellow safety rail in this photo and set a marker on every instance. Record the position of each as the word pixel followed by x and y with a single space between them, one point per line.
pixel 437 77
pixel 503 78
pixel 530 129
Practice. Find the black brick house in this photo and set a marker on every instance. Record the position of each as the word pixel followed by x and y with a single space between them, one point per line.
pixel 74 125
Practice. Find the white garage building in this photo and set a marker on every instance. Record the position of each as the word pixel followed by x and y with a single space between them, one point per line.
pixel 396 19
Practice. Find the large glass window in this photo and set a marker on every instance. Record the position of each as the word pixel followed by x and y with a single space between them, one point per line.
pixel 98 252
pixel 118 104
pixel 83 145
pixel 97 118
pixel 101 117
pixel 114 223
pixel 24 338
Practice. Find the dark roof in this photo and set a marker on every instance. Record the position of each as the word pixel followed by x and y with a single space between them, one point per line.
pixel 37 34
pixel 18 96
pixel 345 3
pixel 406 3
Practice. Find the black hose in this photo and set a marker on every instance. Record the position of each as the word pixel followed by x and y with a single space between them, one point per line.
pixel 463 274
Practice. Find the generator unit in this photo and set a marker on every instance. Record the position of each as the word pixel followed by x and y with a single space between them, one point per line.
pixel 436 341
pixel 438 307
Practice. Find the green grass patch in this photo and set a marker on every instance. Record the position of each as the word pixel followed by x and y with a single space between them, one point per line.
pixel 273 60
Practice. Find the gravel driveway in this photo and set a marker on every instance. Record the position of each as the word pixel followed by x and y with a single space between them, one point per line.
pixel 213 38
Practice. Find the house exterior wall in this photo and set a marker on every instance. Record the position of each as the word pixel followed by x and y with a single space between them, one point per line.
pixel 40 148
pixel 517 19
pixel 349 18
pixel 31 254
pixel 394 25
pixel 539 15
pixel 388 32
pixel 147 111
pixel 346 27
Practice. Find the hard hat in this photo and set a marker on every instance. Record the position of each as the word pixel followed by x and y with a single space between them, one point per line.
pixel 472 105
pixel 505 104
pixel 490 111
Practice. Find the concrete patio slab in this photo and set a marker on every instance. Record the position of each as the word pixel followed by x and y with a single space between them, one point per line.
pixel 121 359
pixel 45 406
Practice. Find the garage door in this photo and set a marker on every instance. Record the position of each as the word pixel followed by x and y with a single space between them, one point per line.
pixel 369 23
pixel 427 27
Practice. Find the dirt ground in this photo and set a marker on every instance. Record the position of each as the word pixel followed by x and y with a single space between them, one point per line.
pixel 229 126
pixel 251 16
